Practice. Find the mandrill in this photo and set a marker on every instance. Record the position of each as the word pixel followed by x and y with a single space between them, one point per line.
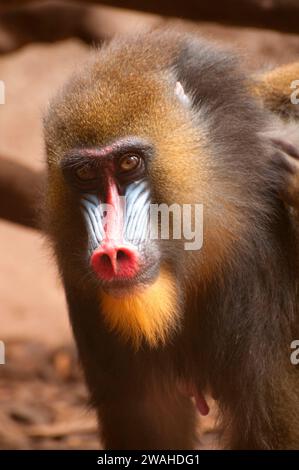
pixel 168 119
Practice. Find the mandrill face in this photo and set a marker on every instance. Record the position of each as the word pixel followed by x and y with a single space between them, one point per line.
pixel 115 201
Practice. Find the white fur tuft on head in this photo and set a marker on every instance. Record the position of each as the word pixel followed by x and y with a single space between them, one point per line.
pixel 180 93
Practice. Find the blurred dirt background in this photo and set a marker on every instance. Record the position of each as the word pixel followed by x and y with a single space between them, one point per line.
pixel 43 401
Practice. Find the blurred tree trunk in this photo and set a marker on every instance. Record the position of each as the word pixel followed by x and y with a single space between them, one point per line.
pixel 282 15
pixel 44 22
pixel 274 14
pixel 49 21
pixel 20 193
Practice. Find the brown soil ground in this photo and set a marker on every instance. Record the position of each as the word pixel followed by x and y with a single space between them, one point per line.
pixel 43 402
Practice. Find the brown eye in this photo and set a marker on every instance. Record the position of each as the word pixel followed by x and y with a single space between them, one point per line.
pixel 129 162
pixel 86 173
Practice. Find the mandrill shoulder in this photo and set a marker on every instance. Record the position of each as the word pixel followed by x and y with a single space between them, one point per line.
pixel 277 92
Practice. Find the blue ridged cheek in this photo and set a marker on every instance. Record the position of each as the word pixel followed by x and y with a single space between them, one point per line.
pixel 137 205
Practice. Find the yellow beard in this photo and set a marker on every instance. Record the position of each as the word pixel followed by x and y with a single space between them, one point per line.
pixel 150 314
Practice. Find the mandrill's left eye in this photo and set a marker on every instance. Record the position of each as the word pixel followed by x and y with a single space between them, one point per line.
pixel 129 162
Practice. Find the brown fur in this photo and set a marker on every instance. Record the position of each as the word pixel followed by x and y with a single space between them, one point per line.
pixel 274 90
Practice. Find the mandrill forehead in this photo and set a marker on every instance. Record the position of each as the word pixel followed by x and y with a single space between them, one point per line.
pixel 129 105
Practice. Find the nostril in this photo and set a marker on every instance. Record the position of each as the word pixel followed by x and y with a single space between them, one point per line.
pixel 121 256
pixel 105 260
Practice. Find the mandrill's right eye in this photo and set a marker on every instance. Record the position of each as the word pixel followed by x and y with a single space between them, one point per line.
pixel 86 173
pixel 81 174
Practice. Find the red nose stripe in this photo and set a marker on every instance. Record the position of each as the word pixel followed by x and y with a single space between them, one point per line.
pixel 114 220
